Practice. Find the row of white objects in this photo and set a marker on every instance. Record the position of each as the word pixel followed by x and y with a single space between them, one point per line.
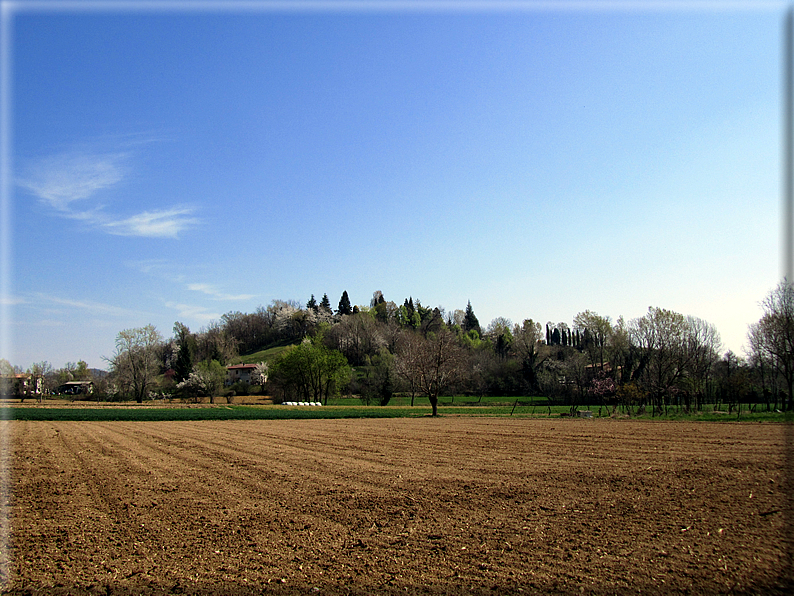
pixel 302 403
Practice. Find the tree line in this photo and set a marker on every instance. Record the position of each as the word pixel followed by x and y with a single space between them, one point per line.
pixel 660 360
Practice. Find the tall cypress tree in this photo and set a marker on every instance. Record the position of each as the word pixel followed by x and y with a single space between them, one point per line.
pixel 409 306
pixel 186 346
pixel 344 305
pixel 587 340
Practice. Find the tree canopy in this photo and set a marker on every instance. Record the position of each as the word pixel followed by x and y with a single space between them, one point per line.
pixel 660 359
pixel 310 371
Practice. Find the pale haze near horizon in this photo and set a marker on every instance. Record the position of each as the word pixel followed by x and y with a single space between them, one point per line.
pixel 175 167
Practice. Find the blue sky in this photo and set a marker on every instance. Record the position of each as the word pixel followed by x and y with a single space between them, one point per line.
pixel 175 166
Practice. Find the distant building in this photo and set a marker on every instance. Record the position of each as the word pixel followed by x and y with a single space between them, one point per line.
pixel 22 385
pixel 244 373
pixel 75 388
pixel 592 370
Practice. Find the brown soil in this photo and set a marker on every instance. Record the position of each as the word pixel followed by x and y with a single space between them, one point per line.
pixel 430 506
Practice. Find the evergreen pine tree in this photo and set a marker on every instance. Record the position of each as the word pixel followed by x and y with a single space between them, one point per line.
pixel 344 305
pixel 470 320
pixel 312 304
pixel 381 312
pixel 325 304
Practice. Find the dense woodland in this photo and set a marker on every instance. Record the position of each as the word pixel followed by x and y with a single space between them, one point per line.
pixel 373 351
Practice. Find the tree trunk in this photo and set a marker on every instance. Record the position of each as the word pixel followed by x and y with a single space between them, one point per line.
pixel 434 405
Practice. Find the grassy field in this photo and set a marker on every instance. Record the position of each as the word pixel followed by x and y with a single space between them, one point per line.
pixel 468 400
pixel 261 356
pixel 352 408
pixel 225 412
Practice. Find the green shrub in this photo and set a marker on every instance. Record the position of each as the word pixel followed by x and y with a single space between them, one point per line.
pixel 241 388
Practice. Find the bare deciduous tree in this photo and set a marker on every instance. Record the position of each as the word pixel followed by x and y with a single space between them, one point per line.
pixel 406 363
pixel 772 338
pixel 596 331
pixel 527 346
pixel 216 343
pixel 135 364
pixel 356 336
pixel 432 363
pixel 661 336
pixel 703 347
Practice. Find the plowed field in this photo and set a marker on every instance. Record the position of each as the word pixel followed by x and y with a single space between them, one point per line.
pixel 429 506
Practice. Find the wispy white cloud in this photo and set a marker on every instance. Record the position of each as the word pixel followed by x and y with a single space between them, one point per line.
pixel 72 183
pixel 12 300
pixel 41 323
pixel 153 224
pixel 150 266
pixel 42 299
pixel 191 311
pixel 166 270
pixel 62 179
pixel 210 290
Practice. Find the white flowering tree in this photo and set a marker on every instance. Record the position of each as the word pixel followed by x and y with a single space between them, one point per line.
pixel 206 380
pixel 261 372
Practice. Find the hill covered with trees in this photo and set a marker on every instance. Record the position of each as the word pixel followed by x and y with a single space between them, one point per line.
pixel 661 359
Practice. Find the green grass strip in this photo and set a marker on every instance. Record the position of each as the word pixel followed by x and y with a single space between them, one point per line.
pixel 237 412
pixel 152 414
